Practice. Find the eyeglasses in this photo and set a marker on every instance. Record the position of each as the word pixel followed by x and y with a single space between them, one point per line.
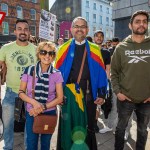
pixel 50 53
pixel 79 27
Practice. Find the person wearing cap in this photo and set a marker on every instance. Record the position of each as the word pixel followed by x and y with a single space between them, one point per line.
pixel 98 39
pixel 130 76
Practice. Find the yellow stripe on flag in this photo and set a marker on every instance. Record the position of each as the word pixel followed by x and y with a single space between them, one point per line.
pixel 78 96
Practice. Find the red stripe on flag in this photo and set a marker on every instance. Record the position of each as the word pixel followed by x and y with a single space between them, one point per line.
pixel 61 60
pixel 97 58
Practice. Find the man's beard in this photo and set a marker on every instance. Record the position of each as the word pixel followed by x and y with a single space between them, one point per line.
pixel 22 40
pixel 140 33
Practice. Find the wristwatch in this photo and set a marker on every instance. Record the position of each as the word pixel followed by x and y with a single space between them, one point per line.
pixel 45 107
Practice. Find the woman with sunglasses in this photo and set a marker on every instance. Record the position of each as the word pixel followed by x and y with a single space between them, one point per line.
pixel 48 93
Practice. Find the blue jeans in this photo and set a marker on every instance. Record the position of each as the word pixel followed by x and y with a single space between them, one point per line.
pixel 8 118
pixel 125 109
pixel 32 138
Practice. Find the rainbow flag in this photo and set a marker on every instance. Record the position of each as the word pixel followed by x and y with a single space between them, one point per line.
pixel 98 76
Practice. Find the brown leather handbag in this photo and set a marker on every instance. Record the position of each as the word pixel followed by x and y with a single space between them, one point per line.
pixel 44 124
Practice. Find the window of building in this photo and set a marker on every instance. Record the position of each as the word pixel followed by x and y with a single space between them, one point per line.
pixel 107 10
pixel 33 30
pixel 26 0
pixel 33 14
pixel 87 16
pixel 66 34
pixel 4 8
pixel 101 8
pixel 19 12
pixel 107 21
pixel 94 18
pixel 34 1
pixel 107 34
pixel 87 4
pixel 94 6
pixel 101 20
pixel 94 29
pixel 5 28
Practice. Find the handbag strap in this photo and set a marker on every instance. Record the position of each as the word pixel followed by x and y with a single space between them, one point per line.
pixel 81 68
pixel 33 83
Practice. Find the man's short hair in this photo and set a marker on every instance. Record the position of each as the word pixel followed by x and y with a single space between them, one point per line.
pixel 21 20
pixel 98 31
pixel 79 18
pixel 139 12
pixel 115 39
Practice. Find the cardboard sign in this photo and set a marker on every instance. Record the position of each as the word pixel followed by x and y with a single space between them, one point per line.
pixel 2 16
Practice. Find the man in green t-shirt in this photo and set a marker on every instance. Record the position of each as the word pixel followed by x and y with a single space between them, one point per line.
pixel 17 56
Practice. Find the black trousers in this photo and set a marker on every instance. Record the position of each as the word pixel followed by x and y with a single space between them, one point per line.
pixel 91 113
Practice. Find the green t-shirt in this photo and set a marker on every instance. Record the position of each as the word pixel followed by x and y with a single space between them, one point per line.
pixel 17 58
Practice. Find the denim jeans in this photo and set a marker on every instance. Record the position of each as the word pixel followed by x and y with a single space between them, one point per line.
pixel 32 138
pixel 8 104
pixel 125 109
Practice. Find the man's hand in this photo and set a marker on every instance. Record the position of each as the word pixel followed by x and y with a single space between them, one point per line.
pixel 122 97
pixel 147 100
pixel 99 101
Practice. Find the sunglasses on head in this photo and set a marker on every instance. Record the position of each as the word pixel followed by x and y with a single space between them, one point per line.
pixel 50 53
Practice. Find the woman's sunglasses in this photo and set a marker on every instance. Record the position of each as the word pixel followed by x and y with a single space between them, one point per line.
pixel 50 53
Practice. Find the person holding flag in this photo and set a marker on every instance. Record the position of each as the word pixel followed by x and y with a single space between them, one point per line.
pixel 85 85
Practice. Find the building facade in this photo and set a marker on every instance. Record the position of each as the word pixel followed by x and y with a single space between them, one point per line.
pixel 15 9
pixel 97 12
pixel 122 11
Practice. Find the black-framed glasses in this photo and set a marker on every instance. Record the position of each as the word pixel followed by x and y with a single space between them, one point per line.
pixel 50 53
pixel 80 27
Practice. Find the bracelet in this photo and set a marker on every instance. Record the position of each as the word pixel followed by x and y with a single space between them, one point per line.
pixel 44 105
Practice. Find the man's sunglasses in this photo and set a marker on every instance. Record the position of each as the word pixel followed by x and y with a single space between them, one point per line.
pixel 50 53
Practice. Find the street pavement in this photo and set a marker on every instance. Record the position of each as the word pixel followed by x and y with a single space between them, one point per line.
pixel 104 141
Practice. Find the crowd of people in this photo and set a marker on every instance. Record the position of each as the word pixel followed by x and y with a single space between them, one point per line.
pixel 89 76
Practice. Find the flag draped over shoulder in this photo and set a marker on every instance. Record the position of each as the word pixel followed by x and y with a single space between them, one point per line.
pixel 74 120
pixel 98 76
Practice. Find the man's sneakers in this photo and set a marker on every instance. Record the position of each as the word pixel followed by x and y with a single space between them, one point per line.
pixel 104 130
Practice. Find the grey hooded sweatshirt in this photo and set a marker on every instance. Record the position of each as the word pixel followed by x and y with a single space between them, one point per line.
pixel 130 69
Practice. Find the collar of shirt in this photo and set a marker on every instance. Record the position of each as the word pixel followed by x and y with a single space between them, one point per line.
pixel 80 43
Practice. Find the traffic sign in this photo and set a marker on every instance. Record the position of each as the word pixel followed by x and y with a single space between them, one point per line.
pixel 2 16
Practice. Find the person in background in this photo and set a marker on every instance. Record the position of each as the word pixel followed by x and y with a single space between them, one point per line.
pixel 60 42
pixel 108 42
pixel 98 39
pixel 48 92
pixel 115 42
pixel 83 91
pixel 89 38
pixel 130 76
pixel 16 55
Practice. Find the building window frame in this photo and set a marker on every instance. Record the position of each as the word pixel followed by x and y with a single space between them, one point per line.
pixel 5 27
pixel 34 1
pixel 87 16
pixel 101 19
pixel 101 8
pixel 66 34
pixel 94 18
pixel 87 4
pixel 33 30
pixel 33 14
pixel 19 12
pixel 4 8
pixel 94 6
